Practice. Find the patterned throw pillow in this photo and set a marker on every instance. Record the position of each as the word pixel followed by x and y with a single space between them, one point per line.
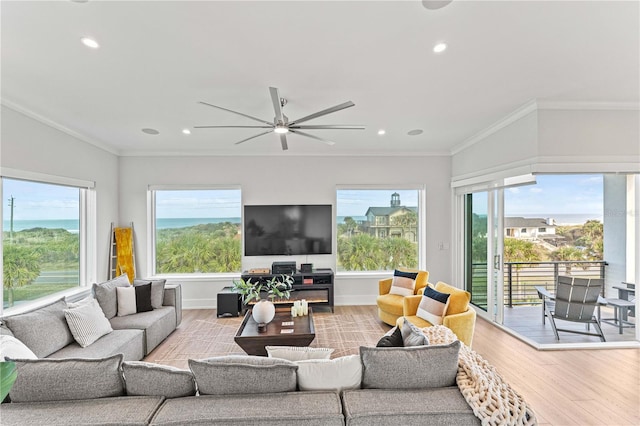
pixel 404 283
pixel 86 321
pixel 433 306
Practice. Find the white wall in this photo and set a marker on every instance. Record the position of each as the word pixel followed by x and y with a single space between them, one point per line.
pixel 515 143
pixel 554 140
pixel 29 145
pixel 291 180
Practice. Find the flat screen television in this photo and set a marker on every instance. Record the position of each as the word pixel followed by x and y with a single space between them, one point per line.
pixel 271 230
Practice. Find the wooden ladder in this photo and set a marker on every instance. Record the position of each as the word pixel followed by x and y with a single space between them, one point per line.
pixel 122 260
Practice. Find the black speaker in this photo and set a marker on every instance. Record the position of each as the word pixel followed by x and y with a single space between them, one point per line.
pixel 229 303
pixel 306 267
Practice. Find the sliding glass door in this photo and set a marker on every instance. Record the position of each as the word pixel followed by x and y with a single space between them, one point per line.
pixel 483 239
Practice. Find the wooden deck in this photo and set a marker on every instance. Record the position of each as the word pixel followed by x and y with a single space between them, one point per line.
pixel 527 322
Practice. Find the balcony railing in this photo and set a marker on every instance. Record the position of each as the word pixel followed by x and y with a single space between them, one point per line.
pixel 520 278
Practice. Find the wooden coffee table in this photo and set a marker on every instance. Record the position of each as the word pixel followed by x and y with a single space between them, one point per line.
pixel 254 342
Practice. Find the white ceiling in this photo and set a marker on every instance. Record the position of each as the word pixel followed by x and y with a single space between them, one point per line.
pixel 159 58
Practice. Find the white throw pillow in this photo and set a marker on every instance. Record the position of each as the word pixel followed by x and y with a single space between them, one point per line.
pixel 13 348
pixel 298 353
pixel 126 300
pixel 87 322
pixel 330 374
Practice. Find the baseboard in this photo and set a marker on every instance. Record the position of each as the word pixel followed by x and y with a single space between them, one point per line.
pixel 354 300
pixel 199 303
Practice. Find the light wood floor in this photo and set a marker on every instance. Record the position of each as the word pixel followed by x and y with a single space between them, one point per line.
pixel 567 387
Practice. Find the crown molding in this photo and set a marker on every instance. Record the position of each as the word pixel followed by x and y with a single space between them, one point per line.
pixel 536 105
pixel 55 125
pixel 516 115
pixel 589 106
pixel 217 153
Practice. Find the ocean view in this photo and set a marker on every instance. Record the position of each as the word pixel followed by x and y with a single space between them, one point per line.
pixel 72 225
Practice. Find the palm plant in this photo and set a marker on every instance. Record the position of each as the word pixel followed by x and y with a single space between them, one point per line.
pixel 276 287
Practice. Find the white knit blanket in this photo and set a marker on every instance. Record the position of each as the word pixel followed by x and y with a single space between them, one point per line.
pixel 493 401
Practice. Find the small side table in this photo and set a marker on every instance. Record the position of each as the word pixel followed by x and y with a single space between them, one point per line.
pixel 620 310
pixel 229 303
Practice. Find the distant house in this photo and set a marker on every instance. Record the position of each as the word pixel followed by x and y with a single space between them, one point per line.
pixel 392 221
pixel 529 228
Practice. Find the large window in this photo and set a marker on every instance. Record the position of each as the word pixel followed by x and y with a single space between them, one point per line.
pixel 41 239
pixel 197 230
pixel 378 229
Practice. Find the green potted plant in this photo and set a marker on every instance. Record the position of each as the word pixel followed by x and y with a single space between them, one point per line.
pixel 8 374
pixel 264 310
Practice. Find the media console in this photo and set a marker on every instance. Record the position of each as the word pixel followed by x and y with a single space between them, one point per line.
pixel 316 287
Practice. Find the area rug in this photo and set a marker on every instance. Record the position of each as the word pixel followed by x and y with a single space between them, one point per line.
pixel 206 336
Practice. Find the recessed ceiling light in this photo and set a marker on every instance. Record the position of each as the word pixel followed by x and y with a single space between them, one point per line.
pixel 440 47
pixel 186 131
pixel 150 131
pixel 89 42
pixel 382 132
pixel 415 132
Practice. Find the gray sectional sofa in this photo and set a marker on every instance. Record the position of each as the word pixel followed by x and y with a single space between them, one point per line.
pixel 244 390
pixel 46 333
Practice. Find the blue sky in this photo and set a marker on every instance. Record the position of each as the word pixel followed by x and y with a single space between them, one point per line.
pixel 553 194
pixel 34 201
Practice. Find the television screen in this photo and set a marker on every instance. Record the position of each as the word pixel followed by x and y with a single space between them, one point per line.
pixel 271 230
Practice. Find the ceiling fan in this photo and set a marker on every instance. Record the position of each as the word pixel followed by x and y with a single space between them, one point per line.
pixel 281 124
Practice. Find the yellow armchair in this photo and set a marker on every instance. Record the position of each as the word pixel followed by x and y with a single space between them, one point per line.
pixel 390 306
pixel 460 317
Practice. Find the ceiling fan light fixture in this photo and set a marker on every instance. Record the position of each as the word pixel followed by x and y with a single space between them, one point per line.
pixel 281 129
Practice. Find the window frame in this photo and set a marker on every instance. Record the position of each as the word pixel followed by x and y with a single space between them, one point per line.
pixel 151 232
pixel 421 236
pixel 87 234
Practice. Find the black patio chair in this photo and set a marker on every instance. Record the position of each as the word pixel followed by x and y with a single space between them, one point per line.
pixel 575 300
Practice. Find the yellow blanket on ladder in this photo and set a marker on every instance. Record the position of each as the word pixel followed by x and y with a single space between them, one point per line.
pixel 124 247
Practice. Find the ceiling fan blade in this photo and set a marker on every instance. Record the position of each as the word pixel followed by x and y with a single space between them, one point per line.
pixel 298 132
pixel 277 106
pixel 324 112
pixel 233 127
pixel 253 137
pixel 328 126
pixel 283 141
pixel 236 112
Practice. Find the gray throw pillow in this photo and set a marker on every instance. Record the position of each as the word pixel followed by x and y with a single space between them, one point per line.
pixel 44 330
pixel 416 367
pixel 157 291
pixel 412 335
pixel 67 379
pixel 231 375
pixel 105 294
pixel 147 379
